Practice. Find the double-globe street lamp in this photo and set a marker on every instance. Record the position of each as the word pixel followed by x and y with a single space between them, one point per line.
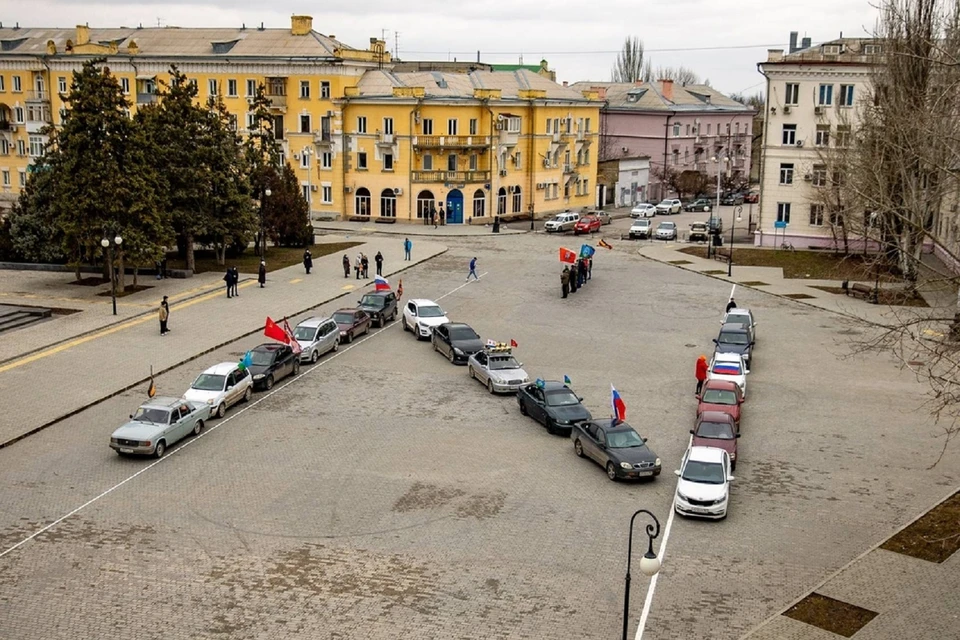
pixel 106 244
pixel 649 564
pixel 263 237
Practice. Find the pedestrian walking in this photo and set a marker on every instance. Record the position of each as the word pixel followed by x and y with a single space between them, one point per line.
pixel 701 373
pixel 573 278
pixel 473 270
pixel 441 216
pixel 731 305
pixel 236 281
pixel 565 281
pixel 379 260
pixel 164 316
pixel 262 274
pixel 159 270
pixel 307 261
pixel 346 266
pixel 407 248
pixel 228 278
pixel 366 265
pixel 357 266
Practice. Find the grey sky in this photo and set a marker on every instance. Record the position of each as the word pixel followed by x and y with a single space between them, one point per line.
pixel 580 44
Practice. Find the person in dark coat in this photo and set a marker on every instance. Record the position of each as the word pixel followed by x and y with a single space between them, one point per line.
pixel 565 281
pixel 164 316
pixel 589 268
pixel 262 274
pixel 236 281
pixel 307 261
pixel 379 260
pixel 573 278
pixel 228 278
pixel 731 305
pixel 346 266
pixel 365 264
pixel 441 216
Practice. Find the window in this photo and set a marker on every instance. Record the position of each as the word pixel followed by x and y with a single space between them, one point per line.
pixel 23 178
pixel 792 94
pixel 517 161
pixel 305 123
pixel 846 95
pixel 789 134
pixel 3 87
pixel 232 88
pixel 324 90
pixel 361 124
pixel 710 128
pixel 843 135
pixel 251 88
pixel 388 204
pixel 361 202
pixel 549 126
pixel 517 200
pixel 36 146
pixel 305 191
pixel 305 159
pixel 823 135
pixel 831 49
pixel 473 126
pixel 326 160
pixel 819 175
pixel 587 125
pixel 193 83
pixel 586 156
pixel 783 212
pixel 872 49
pixel 212 88
pixel 326 194
pixel 388 126
pixel 687 132
pixel 62 84
pixel 232 121
pixel 21 148
pixel 388 162
pixel 479 204
pixel 513 125
pixel 676 129
pixel 427 126
pixel 825 98
pixel 728 128
pixel 786 173
pixel 304 89
pixel 18 116
pixel 452 162
pixel 6 178
pixel 362 160
pixel 17 87
pixel 816 215
pixel 676 156
pixel 474 162
pixel 427 162
pixel 836 218
pixel 4 147
pixel 452 127
pixel 424 204
pixel 501 201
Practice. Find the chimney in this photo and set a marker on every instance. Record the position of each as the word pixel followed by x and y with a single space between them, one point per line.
pixel 793 41
pixel 666 88
pixel 83 35
pixel 601 92
pixel 301 25
pixel 805 43
pixel 564 83
pixel 774 55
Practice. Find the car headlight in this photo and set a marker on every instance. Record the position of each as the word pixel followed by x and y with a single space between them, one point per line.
pixel 114 440
pixel 626 465
pixel 733 456
pixel 259 376
pixel 343 333
pixel 457 351
pixel 657 462
pixel 682 497
pixel 210 401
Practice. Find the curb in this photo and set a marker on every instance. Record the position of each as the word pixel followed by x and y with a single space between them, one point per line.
pixel 195 356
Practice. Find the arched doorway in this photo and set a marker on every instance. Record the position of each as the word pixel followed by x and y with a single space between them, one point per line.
pixel 361 202
pixel 425 200
pixel 502 201
pixel 479 204
pixel 388 204
pixel 454 207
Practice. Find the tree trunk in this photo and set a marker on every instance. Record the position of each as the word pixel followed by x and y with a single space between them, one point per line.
pixel 136 269
pixel 191 261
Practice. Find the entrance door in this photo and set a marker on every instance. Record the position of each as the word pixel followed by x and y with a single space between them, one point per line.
pixel 455 207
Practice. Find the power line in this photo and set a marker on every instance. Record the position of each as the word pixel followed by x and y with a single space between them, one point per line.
pixel 580 53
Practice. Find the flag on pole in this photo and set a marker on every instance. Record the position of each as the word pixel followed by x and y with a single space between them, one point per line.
pixel 603 243
pixel 293 341
pixel 247 359
pixel 619 408
pixel 567 256
pixel 513 343
pixel 586 251
pixel 274 332
pixel 381 284
pixel 152 389
pixel 566 379
pixel 400 289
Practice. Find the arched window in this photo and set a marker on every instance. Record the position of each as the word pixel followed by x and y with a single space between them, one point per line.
pixel 424 201
pixel 479 203
pixel 388 204
pixel 361 202
pixel 501 201
pixel 517 200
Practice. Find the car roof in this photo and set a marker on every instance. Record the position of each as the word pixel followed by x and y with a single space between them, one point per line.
pixel 161 402
pixel 723 385
pixel 268 346
pixel 727 357
pixel 221 369
pixel 315 321
pixel 457 325
pixel 607 425
pixel 423 302
pixel 667 223
pixel 739 311
pixel 705 454
pixel 733 327
pixel 553 385
pixel 715 416
pixel 347 310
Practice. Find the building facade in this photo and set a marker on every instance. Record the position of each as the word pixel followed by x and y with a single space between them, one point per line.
pixel 680 128
pixel 351 129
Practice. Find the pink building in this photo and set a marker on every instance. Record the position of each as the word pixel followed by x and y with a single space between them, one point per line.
pixel 679 127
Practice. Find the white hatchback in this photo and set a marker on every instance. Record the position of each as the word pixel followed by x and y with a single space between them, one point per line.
pixel 730 367
pixel 422 316
pixel 221 386
pixel 703 489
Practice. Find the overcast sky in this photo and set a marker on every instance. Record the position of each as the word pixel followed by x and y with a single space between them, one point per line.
pixel 581 44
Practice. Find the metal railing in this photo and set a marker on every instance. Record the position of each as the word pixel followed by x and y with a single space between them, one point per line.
pixel 451 176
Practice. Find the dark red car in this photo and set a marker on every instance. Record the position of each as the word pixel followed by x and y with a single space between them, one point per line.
pixel 587 224
pixel 352 323
pixel 751 197
pixel 717 429
pixel 723 396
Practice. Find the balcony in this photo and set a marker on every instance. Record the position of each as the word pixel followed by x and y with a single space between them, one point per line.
pixel 38 96
pixel 567 167
pixel 450 142
pixel 146 98
pixel 386 139
pixel 277 101
pixel 322 138
pixel 451 176
pixel 509 138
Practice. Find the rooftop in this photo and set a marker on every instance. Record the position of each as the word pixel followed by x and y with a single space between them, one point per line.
pixel 663 95
pixel 441 85
pixel 840 51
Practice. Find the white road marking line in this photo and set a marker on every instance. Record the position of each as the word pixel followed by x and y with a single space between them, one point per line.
pixel 208 430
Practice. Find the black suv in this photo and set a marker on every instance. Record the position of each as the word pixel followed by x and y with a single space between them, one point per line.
pixel 736 338
pixel 381 306
pixel 732 198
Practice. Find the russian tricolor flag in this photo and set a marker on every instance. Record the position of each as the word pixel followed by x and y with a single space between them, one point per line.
pixel 381 283
pixel 619 408
pixel 726 369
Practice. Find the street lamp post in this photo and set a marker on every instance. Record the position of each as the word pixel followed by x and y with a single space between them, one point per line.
pixel 263 237
pixel 106 244
pixel 718 160
pixel 649 564
pixel 737 217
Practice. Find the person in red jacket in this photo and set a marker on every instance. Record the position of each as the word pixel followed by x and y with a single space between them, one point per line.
pixel 701 372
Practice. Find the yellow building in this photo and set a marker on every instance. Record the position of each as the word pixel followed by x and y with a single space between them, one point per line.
pixel 363 140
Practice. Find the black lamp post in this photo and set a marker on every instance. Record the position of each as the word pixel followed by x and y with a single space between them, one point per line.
pixel 106 244
pixel 263 237
pixel 649 564
pixel 737 217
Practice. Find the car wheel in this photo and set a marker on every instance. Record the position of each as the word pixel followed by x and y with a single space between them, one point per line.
pixel 451 356
pixel 198 427
pixel 578 448
pixel 336 346
pixel 349 337
pixel 472 374
pixel 523 409
pixel 221 410
pixel 611 471
pixel 403 323
pixel 269 383
pixel 490 385
pixel 551 428
pixel 248 394
pixel 161 449
pixel 314 356
pixel 296 368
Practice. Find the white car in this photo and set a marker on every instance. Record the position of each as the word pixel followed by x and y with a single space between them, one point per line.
pixel 669 206
pixel 422 316
pixel 498 370
pixel 316 336
pixel 641 228
pixel 221 386
pixel 703 489
pixel 644 210
pixel 742 317
pixel 561 222
pixel 666 231
pixel 730 367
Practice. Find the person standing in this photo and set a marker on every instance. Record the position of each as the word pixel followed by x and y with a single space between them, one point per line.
pixel 379 260
pixel 573 278
pixel 228 278
pixel 307 261
pixel 366 265
pixel 433 216
pixel 262 274
pixel 164 316
pixel 159 270
pixel 590 268
pixel 565 281
pixel 441 216
pixel 701 373
pixel 357 266
pixel 346 266
pixel 407 248
pixel 473 270
pixel 163 266
pixel 236 281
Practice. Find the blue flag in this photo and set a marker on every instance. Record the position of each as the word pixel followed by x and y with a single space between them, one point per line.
pixel 540 383
pixel 566 379
pixel 586 251
pixel 247 359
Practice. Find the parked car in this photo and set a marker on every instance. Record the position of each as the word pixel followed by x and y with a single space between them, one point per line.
pixel 316 336
pixel 643 210
pixel 733 198
pixel 704 487
pixel 272 362
pixel 715 223
pixel 353 323
pixel 751 197
pixel 729 366
pixel 553 404
pixel 421 316
pixel 736 338
pixel 669 206
pixel 700 204
pixel 605 218
pixel 158 424
pixel 717 429
pixel 221 386
pixel 699 232
pixel 723 396
pixel 561 222
pixel 641 228
pixel 497 369
pixel 666 231
pixel 742 317
pixel 381 306
pixel 616 447
pixel 587 224
pixel 457 341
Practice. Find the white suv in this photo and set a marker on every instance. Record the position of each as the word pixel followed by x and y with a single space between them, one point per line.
pixel 703 489
pixel 561 222
pixel 422 316
pixel 669 206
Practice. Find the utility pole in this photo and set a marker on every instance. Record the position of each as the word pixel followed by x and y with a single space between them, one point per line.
pixel 396 45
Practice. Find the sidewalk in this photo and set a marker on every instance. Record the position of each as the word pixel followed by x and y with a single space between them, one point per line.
pixel 398 229
pixel 97 355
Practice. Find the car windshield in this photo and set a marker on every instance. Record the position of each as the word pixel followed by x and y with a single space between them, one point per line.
pixel 624 439
pixel 720 396
pixel 666 202
pixel 731 337
pixel 209 382
pixel 703 472
pixel 261 358
pixel 343 318
pixel 372 301
pixel 665 225
pixel 642 223
pixel 561 398
pixel 463 333
pixel 718 430
pixel 508 362
pixel 304 334
pixel 724 368
pixel 156 416
pixel 430 311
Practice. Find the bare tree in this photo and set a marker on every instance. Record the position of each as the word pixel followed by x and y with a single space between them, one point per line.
pixel 681 75
pixel 754 100
pixel 630 65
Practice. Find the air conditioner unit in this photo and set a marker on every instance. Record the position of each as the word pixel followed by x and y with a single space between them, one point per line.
pixel 808 178
pixel 799 143
pixel 313 187
pixel 503 172
pixel 540 185
pixel 785 109
pixel 546 163
pixel 296 156
pixel 818 110
pixel 348 189
pixel 398 192
pixel 499 126
pixel 501 118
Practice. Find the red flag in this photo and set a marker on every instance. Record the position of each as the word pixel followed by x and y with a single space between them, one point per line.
pixel 567 256
pixel 513 343
pixel 293 343
pixel 603 243
pixel 271 330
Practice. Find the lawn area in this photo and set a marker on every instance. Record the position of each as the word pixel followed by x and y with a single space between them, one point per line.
pixel 277 258
pixel 818 265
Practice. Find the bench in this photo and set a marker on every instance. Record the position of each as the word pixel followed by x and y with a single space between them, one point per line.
pixel 385 220
pixel 721 254
pixel 859 290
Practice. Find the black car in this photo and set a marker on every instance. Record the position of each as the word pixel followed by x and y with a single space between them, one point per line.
pixel 732 198
pixel 616 447
pixel 554 404
pixel 456 340
pixel 736 338
pixel 272 362
pixel 700 204
pixel 381 306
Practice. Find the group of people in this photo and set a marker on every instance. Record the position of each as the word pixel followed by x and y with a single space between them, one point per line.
pixel 576 275
pixel 435 217
pixel 232 276
pixel 361 266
